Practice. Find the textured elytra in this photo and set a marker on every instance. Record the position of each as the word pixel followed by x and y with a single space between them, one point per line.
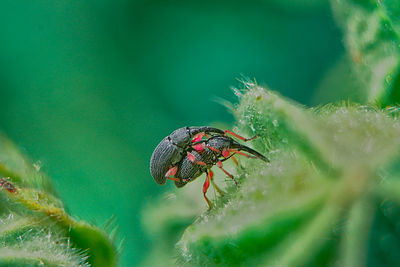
pixel 164 156
pixel 172 149
pixel 189 170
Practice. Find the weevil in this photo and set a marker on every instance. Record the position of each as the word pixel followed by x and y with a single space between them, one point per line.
pixel 204 155
pixel 6 184
pixel 172 149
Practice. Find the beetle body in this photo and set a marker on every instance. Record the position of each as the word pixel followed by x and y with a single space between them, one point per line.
pixel 172 149
pixel 214 150
pixel 188 170
pixel 185 154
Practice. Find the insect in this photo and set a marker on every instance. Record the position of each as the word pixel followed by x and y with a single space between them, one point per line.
pixel 172 149
pixel 199 155
pixel 205 155
pixel 7 185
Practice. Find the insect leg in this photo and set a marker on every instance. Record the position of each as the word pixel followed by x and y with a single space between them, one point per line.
pixel 237 148
pixel 211 174
pixel 171 172
pixel 242 153
pixel 219 165
pixel 239 136
pixel 214 149
pixel 174 179
pixel 206 185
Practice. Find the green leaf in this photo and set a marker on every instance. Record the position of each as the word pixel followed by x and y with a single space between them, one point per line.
pixel 372 40
pixel 391 9
pixel 294 211
pixel 35 229
pixel 25 241
pixel 20 169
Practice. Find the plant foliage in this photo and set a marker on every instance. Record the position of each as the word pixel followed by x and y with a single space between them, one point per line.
pixel 330 194
pixel 35 229
pixel 322 198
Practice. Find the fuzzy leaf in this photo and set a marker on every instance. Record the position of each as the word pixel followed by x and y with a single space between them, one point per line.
pixel 35 228
pixel 25 241
pixel 371 30
pixel 319 200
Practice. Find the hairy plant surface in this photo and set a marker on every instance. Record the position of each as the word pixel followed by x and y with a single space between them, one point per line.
pixel 328 197
pixel 330 194
pixel 35 229
pixel 372 36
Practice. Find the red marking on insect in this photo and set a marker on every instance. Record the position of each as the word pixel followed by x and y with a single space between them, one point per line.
pixel 199 147
pixel 7 185
pixel 197 137
pixel 225 153
pixel 191 157
pixel 172 171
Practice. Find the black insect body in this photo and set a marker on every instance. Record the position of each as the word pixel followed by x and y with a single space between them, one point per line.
pixel 194 165
pixel 190 151
pixel 172 149
pixel 207 153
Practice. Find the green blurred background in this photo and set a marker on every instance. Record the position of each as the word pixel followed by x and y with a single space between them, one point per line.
pixel 89 88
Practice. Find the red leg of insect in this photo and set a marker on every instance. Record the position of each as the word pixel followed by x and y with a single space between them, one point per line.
pixel 219 165
pixel 171 172
pixel 214 149
pixel 239 136
pixel 211 174
pixel 206 185
pixel 193 159
pixel 242 153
